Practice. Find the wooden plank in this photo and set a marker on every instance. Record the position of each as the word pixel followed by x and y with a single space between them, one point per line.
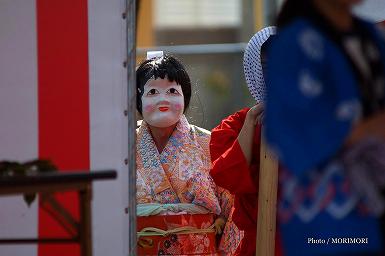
pixel 267 202
pixel 51 182
pixel 56 177
pixel 43 188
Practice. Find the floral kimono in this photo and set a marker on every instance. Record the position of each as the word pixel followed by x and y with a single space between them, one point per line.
pixel 180 174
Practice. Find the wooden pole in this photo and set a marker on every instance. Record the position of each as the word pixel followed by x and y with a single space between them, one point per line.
pixel 267 202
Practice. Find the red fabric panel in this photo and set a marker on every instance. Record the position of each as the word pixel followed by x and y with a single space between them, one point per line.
pixel 63 85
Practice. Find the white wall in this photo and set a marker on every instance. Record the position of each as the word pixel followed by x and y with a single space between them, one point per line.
pixel 18 114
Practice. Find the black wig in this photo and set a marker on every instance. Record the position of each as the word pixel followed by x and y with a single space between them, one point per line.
pixel 162 67
pixel 291 10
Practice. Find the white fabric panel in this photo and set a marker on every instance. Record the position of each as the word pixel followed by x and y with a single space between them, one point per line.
pixel 108 99
pixel 18 114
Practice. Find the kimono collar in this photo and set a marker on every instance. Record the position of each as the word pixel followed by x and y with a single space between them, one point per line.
pixel 182 127
pixel 153 161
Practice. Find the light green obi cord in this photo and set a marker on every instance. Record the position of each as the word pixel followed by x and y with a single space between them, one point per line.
pixel 156 209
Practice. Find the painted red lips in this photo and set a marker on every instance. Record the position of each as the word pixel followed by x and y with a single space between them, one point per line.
pixel 163 109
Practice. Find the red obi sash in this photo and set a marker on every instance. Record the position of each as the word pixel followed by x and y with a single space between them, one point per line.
pixel 184 234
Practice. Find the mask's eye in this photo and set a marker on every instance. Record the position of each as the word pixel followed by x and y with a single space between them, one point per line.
pixel 173 91
pixel 152 92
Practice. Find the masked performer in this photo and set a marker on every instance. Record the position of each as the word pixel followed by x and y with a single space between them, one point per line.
pixel 173 159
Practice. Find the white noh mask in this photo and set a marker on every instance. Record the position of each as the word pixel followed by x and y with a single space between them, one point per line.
pixel 162 103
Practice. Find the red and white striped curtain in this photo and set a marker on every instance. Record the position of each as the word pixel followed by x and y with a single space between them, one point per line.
pixel 62 97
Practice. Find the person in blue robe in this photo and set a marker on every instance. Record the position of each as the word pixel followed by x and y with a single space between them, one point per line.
pixel 325 120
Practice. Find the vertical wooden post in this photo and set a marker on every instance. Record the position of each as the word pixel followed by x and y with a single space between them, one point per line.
pixel 267 202
pixel 85 221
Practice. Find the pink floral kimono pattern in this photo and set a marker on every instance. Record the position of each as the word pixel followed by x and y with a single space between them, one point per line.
pixel 180 174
